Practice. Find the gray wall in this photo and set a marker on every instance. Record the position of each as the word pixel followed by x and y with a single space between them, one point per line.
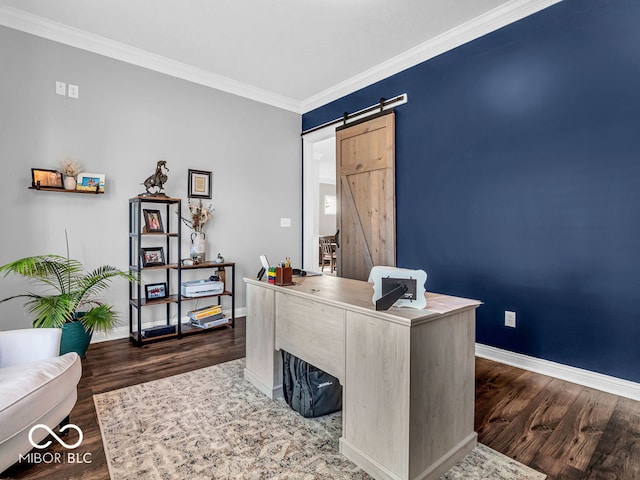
pixel 126 119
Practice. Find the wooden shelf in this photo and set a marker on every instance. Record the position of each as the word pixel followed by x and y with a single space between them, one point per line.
pixel 154 234
pixel 62 190
pixel 191 330
pixel 225 293
pixel 159 199
pixel 171 271
pixel 137 268
pixel 185 328
pixel 206 265
pixel 134 337
pixel 158 301
pixel 174 299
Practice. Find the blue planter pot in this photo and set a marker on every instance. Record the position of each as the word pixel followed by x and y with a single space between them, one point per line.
pixel 74 339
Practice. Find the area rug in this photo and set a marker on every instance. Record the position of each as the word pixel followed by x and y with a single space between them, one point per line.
pixel 211 424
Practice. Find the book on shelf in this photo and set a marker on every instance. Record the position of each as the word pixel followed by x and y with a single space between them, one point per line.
pixel 205 312
pixel 208 307
pixel 210 323
pixel 203 320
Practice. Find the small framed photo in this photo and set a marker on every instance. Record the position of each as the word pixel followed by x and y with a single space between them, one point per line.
pixel 90 182
pixel 199 184
pixel 152 220
pixel 41 177
pixel 152 257
pixel 330 206
pixel 155 291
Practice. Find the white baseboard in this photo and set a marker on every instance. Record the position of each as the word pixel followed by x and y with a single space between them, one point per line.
pixel 123 331
pixel 606 383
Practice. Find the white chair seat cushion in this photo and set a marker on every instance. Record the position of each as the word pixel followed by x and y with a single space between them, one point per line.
pixel 29 391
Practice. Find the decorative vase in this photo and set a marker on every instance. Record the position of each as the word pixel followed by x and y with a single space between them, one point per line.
pixel 69 183
pixel 74 339
pixel 198 251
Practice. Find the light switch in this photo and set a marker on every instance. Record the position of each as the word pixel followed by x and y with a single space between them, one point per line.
pixel 285 222
pixel 61 88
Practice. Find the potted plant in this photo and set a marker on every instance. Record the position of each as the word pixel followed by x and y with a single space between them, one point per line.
pixel 70 301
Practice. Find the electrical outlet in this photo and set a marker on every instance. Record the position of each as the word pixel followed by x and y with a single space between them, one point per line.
pixel 509 319
pixel 74 91
pixel 285 222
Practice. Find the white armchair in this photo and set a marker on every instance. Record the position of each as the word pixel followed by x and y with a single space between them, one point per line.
pixel 37 386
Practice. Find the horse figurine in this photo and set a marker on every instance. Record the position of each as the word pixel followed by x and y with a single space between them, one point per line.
pixel 158 179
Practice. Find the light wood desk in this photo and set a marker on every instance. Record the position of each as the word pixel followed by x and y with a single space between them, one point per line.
pixel 407 375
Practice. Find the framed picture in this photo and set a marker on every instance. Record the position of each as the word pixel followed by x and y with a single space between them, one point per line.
pixel 41 177
pixel 330 205
pixel 90 181
pixel 152 220
pixel 199 184
pixel 155 291
pixel 152 257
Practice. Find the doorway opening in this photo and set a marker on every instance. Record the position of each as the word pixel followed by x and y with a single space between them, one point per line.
pixel 319 173
pixel 319 196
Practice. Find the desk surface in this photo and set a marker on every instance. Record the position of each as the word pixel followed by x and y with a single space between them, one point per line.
pixel 356 295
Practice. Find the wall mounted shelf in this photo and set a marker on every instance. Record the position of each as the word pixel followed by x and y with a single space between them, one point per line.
pixel 62 190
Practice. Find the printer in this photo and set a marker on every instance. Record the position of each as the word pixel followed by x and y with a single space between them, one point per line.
pixel 201 288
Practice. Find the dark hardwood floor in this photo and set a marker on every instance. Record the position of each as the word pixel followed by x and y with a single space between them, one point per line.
pixel 559 428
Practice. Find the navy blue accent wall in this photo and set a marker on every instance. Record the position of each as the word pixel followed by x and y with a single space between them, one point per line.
pixel 518 180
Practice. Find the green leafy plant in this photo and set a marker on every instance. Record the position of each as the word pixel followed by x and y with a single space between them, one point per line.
pixel 69 290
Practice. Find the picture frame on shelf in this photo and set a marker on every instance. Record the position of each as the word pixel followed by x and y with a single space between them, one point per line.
pixel 43 177
pixel 199 184
pixel 155 291
pixel 152 256
pixel 152 221
pixel 90 182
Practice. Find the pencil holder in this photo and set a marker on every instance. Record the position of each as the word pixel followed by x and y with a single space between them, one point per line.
pixel 284 276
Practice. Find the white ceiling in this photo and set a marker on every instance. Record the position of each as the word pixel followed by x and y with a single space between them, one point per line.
pixel 294 53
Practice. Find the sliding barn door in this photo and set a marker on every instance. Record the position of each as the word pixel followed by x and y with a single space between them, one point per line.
pixel 365 185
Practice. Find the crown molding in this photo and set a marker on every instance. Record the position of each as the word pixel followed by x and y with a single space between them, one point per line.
pixel 499 17
pixel 41 27
pixel 495 19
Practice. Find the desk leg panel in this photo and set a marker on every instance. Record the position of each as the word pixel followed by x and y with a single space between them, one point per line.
pixel 263 362
pixel 376 394
pixel 442 393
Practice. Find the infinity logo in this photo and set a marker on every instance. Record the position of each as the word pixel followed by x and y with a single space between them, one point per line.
pixel 52 433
